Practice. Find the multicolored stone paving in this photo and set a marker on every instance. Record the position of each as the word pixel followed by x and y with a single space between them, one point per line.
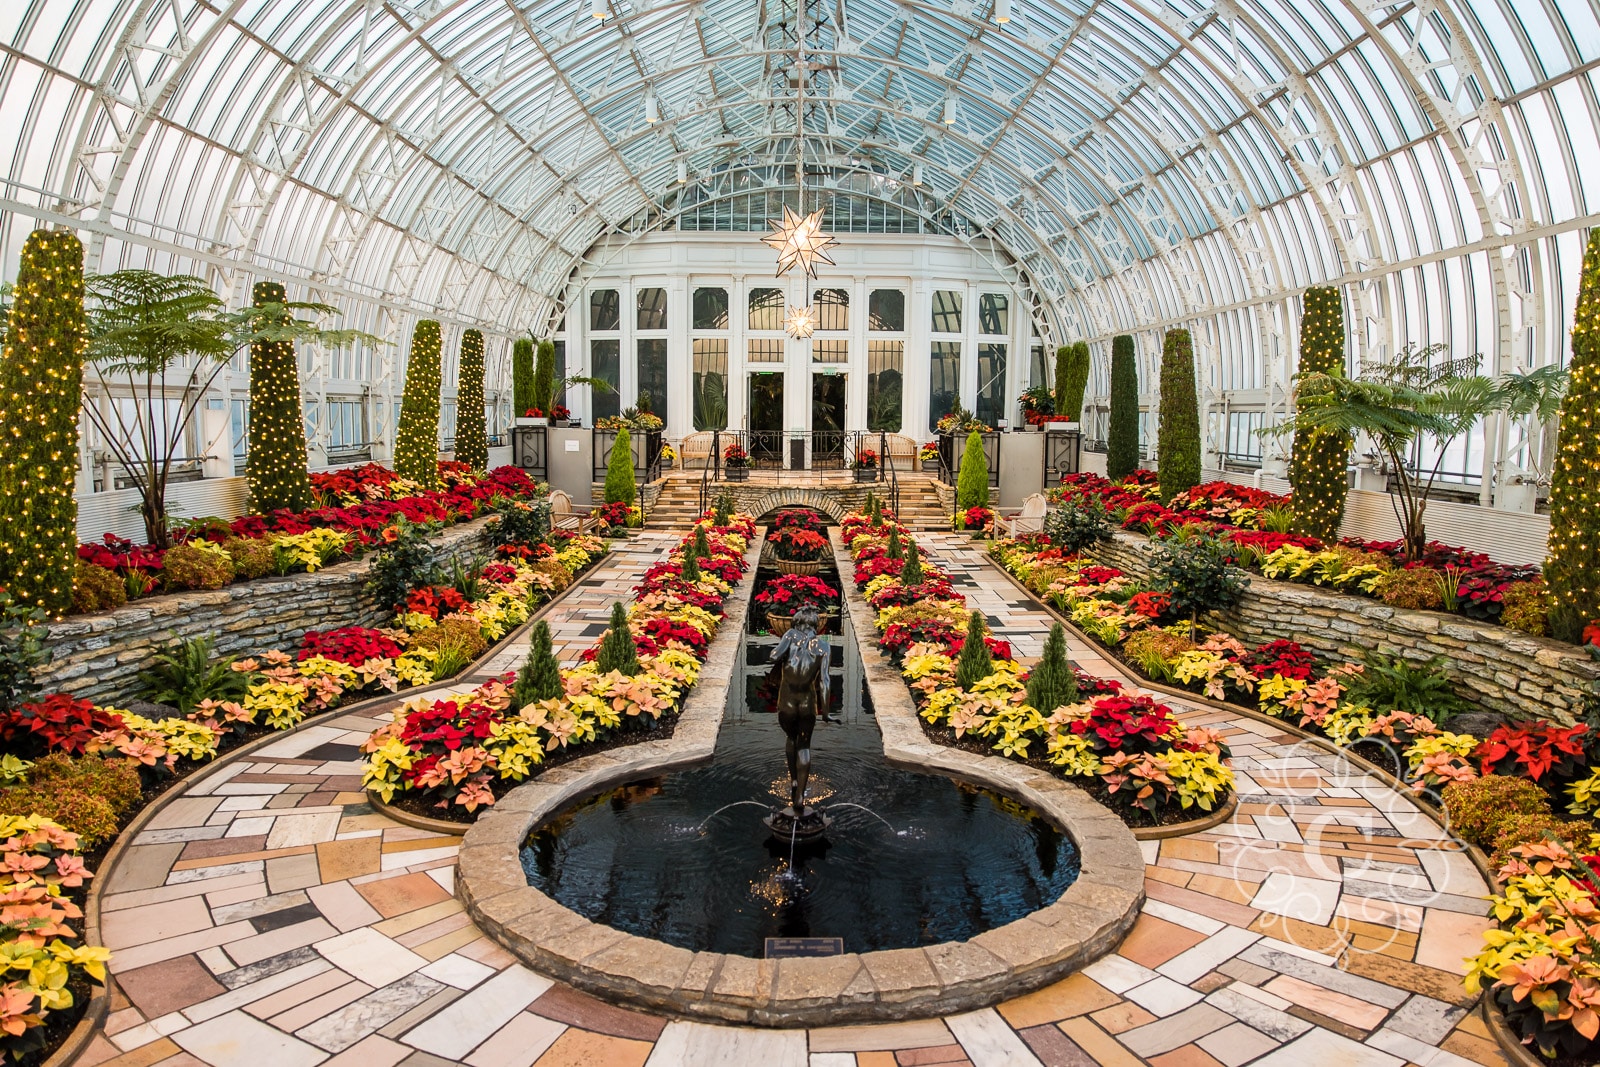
pixel 267 916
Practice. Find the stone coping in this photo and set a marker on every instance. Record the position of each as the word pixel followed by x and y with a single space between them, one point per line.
pixel 1088 920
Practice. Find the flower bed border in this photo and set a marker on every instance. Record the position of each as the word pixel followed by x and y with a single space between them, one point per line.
pixel 1216 818
pixel 1514 1050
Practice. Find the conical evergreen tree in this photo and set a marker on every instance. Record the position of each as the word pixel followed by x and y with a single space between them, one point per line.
pixel 1063 377
pixel 416 448
pixel 1051 683
pixel 1572 570
pixel 1122 430
pixel 911 569
pixel 1077 381
pixel 522 376
pixel 1178 431
pixel 895 551
pixel 276 461
pixel 691 566
pixel 472 436
pixel 617 649
pixel 540 676
pixel 975 662
pixel 701 548
pixel 972 481
pixel 41 379
pixel 619 470
pixel 1318 462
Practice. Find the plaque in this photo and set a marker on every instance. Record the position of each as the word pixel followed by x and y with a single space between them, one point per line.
pixel 788 947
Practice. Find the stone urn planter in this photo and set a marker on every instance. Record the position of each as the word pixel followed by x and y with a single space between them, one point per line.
pixel 796 566
pixel 736 474
pixel 866 474
pixel 779 624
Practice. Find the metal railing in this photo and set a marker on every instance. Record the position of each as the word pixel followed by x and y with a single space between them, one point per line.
pixel 530 452
pixel 796 454
pixel 646 449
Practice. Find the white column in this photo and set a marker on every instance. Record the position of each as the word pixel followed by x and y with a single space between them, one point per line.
pixel 680 360
pixel 738 321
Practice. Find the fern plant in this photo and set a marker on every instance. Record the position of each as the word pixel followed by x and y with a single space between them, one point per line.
pixel 1394 683
pixel 185 673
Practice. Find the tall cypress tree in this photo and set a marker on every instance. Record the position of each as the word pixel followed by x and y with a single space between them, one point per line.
pixel 41 379
pixel 522 376
pixel 1077 381
pixel 976 662
pixel 416 449
pixel 1572 570
pixel 276 461
pixel 1319 457
pixel 472 434
pixel 1122 431
pixel 619 470
pixel 1178 431
pixel 544 376
pixel 1063 377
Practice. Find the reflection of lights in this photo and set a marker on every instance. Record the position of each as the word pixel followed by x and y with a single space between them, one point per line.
pixel 818 789
pixel 799 241
pixel 800 324
pixel 775 888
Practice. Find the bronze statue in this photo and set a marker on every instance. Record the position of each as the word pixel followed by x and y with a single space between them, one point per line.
pixel 800 667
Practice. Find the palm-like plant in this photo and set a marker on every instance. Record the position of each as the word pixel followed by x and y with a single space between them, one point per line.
pixel 159 342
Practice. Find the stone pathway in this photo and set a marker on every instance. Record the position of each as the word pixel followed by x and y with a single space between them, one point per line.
pixel 266 916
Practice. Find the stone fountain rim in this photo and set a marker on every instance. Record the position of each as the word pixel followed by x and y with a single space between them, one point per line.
pixel 1086 922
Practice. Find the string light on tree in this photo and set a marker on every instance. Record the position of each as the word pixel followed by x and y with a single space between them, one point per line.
pixel 1319 457
pixel 41 381
pixel 1572 571
pixel 416 447
pixel 276 460
pixel 472 441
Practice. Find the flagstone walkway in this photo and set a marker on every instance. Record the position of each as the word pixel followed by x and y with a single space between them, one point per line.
pixel 267 917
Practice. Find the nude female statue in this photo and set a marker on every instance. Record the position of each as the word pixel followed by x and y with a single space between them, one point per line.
pixel 800 663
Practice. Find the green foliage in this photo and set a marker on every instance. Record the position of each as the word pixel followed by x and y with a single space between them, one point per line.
pixel 276 462
pixel 1195 569
pixel 691 567
pixel 972 481
pixel 185 673
pixel 41 379
pixel 472 433
pixel 1478 809
pixel 1178 431
pixel 619 470
pixel 1062 376
pixel 521 522
pixel 401 565
pixel 416 449
pixel 1078 524
pixel 911 569
pixel 87 795
pixel 521 375
pixel 540 676
pixel 1051 682
pixel 975 662
pixel 874 509
pixel 21 650
pixel 701 549
pixel 722 514
pixel 1318 461
pixel 617 649
pixel 1572 570
pixel 544 376
pixel 1071 384
pixel 894 551
pixel 1122 429
pixel 1395 683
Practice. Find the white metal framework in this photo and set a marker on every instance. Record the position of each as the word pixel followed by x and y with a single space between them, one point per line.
pixel 1131 164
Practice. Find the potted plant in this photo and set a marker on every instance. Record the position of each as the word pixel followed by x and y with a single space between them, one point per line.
pixel 560 416
pixel 929 454
pixel 667 456
pixel 534 417
pixel 865 465
pixel 1037 406
pixel 977 518
pixel 788 593
pixel 797 550
pixel 736 463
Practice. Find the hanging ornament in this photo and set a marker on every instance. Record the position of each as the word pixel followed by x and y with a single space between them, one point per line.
pixel 799 241
pixel 801 323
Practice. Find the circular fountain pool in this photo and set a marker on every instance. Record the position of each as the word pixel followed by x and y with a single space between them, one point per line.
pixel 911 859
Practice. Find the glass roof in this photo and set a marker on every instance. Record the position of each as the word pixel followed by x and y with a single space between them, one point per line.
pixel 1134 163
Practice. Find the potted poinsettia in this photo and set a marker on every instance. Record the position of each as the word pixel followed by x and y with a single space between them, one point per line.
pixel 736 463
pixel 560 416
pixel 796 550
pixel 865 465
pixel 929 454
pixel 788 593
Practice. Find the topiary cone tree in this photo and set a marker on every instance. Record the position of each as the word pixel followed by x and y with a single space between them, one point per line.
pixel 975 662
pixel 472 433
pixel 1063 376
pixel 1320 456
pixel 544 376
pixel 894 551
pixel 522 376
pixel 972 483
pixel 911 569
pixel 1572 571
pixel 41 379
pixel 1051 683
pixel 540 676
pixel 1071 393
pixel 617 650
pixel 1122 430
pixel 276 460
pixel 1178 431
pixel 416 448
pixel 619 470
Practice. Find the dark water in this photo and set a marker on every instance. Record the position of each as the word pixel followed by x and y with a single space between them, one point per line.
pixel 952 862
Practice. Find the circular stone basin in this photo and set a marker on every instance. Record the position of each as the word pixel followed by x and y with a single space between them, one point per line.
pixel 910 859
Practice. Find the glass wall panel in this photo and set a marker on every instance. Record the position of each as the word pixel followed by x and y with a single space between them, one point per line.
pixel 994 313
pixel 766 309
pixel 651 372
pixel 832 308
pixel 885 377
pixel 991 399
pixel 944 387
pixel 605 310
pixel 946 311
pixel 711 382
pixel 605 360
pixel 766 350
pixel 710 308
pixel 886 310
pixel 652 309
pixel 830 350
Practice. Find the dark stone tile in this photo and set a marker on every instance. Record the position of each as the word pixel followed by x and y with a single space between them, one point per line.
pixel 223 846
pixel 169 986
pixel 274 920
pixel 333 751
pixel 254 972
pixel 567 1005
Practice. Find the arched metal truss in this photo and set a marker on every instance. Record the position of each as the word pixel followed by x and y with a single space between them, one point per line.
pixel 1130 164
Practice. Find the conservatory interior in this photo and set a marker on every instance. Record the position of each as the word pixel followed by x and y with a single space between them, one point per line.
pixel 1017 533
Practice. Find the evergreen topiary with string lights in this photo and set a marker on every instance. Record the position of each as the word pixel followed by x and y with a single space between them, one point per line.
pixel 41 379
pixel 1572 571
pixel 1122 430
pixel 416 448
pixel 1178 431
pixel 276 461
pixel 1319 457
pixel 472 433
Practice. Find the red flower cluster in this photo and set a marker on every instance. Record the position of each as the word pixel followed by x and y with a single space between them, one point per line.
pixel 797 545
pixel 1287 659
pixel 1151 605
pixel 118 553
pixel 435 600
pixel 1535 750
pixel 788 592
pixel 1131 725
pixel 611 515
pixel 798 519
pixel 735 454
pixel 58 723
pixel 976 518
pixel 349 644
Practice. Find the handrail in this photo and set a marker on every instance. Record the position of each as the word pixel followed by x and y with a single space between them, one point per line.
pixel 893 475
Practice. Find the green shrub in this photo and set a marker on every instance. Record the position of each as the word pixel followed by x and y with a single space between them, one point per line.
pixel 472 434
pixel 1077 524
pixel 894 549
pixel 691 567
pixel 619 471
pixel 183 674
pixel 1573 567
pixel 1410 587
pixel 1319 457
pixel 911 569
pixel 975 662
pixel 416 449
pixel 1195 569
pixel 460 633
pixel 1525 829
pixel 972 482
pixel 1178 429
pixel 252 556
pixel 41 379
pixel 115 780
pixel 276 460
pixel 1525 606
pixel 97 588
pixel 1122 430
pixel 544 376
pixel 189 566
pixel 540 676
pixel 1479 808
pixel 401 564
pixel 21 651
pixel 1072 378
pixel 1394 683
pixel 1051 682
pixel 617 649
pixel 85 794
pixel 522 375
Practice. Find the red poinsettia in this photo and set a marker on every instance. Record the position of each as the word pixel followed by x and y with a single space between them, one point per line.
pixel 1535 750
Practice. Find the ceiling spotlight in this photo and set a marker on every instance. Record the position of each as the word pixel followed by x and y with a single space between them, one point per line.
pixel 949 111
pixel 916 174
pixel 600 9
pixel 683 171
pixel 1002 11
pixel 652 108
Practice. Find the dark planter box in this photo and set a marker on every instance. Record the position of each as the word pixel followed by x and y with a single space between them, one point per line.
pixel 736 474
pixel 866 474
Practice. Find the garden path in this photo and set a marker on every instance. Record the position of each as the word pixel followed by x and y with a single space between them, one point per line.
pixel 266 915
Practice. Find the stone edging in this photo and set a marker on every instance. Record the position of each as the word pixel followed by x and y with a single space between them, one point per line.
pixel 1088 920
pixel 1193 826
pixel 416 822
pixel 1518 1053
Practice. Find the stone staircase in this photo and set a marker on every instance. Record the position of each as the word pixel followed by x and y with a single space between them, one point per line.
pixel 678 502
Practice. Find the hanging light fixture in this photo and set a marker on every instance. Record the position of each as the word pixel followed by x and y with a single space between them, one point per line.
pixel 683 171
pixel 949 111
pixel 600 9
pixel 652 107
pixel 799 238
pixel 801 323
pixel 916 174
pixel 1002 11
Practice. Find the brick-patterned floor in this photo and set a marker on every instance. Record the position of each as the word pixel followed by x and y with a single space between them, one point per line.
pixel 268 917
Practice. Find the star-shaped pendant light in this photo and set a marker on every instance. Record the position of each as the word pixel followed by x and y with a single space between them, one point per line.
pixel 799 241
pixel 800 324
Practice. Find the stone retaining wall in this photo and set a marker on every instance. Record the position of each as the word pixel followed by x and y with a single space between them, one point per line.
pixel 1497 668
pixel 99 656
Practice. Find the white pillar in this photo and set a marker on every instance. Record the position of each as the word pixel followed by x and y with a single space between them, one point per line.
pixel 680 361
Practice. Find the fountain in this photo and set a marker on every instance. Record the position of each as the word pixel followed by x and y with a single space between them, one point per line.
pixel 800 668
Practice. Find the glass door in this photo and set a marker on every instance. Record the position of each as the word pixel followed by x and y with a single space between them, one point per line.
pixel 827 421
pixel 766 419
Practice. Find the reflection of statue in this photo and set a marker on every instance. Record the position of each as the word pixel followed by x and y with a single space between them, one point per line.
pixel 800 665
